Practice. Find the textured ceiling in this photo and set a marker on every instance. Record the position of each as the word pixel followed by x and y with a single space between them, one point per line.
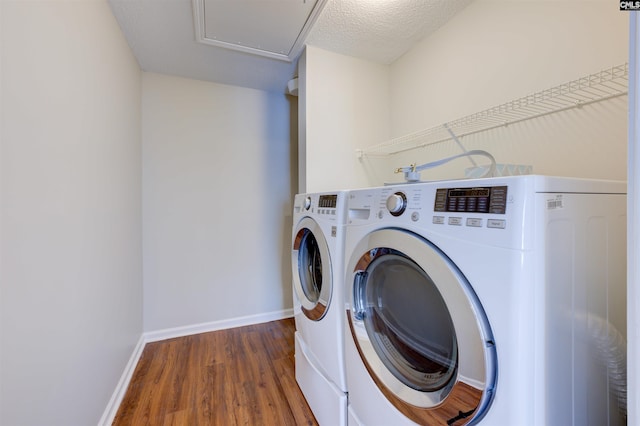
pixel 380 30
pixel 161 34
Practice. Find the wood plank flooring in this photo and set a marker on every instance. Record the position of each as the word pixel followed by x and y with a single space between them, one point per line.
pixel 240 376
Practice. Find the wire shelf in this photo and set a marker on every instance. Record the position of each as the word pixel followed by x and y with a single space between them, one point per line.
pixel 606 84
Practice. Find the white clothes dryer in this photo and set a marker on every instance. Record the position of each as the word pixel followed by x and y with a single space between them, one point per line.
pixel 317 259
pixel 496 301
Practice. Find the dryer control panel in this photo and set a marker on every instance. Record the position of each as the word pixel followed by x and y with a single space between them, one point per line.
pixel 488 199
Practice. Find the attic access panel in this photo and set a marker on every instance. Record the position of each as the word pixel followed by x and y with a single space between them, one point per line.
pixel 272 28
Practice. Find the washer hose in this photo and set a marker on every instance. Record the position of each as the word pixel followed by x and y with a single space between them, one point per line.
pixel 412 173
pixel 610 349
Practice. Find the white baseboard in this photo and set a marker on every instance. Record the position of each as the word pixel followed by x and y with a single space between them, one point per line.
pixel 121 388
pixel 472 382
pixel 154 336
pixel 170 333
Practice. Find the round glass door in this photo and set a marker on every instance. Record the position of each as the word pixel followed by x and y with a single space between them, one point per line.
pixel 312 278
pixel 420 329
pixel 409 324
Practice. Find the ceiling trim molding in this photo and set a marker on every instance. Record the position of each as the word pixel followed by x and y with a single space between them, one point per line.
pixel 296 49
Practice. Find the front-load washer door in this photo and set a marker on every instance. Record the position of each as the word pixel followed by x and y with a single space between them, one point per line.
pixel 312 280
pixel 420 329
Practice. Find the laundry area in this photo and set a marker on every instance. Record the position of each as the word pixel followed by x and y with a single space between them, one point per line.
pixel 467 228
pixel 438 194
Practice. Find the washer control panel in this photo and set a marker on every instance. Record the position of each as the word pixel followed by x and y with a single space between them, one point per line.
pixel 480 206
pixel 327 204
pixel 487 211
pixel 488 199
pixel 328 201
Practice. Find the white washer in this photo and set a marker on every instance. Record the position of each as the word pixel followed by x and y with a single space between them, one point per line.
pixel 495 301
pixel 318 293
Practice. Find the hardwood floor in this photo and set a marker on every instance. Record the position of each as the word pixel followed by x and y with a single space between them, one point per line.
pixel 240 376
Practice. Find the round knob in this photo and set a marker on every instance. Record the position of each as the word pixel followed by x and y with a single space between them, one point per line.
pixel 307 203
pixel 397 203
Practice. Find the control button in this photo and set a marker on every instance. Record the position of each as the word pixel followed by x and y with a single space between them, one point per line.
pixel 472 204
pixel 441 200
pixel 483 205
pixel 455 221
pixel 307 203
pixel 438 220
pixel 474 222
pixel 415 216
pixel 380 214
pixel 496 223
pixel 397 203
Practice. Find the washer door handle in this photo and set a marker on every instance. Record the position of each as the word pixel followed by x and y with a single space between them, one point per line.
pixel 359 298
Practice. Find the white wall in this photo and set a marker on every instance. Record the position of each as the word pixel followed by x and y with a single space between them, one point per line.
pixel 71 264
pixel 633 228
pixel 498 50
pixel 217 189
pixel 347 107
pixel 492 52
pixel 302 124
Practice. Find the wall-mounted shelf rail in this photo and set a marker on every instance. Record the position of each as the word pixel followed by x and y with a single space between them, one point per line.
pixel 606 84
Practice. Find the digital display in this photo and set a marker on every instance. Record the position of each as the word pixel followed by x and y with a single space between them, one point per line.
pixel 328 201
pixel 471 192
pixel 472 200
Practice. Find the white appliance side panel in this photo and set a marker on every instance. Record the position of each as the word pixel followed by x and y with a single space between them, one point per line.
pixel 584 287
